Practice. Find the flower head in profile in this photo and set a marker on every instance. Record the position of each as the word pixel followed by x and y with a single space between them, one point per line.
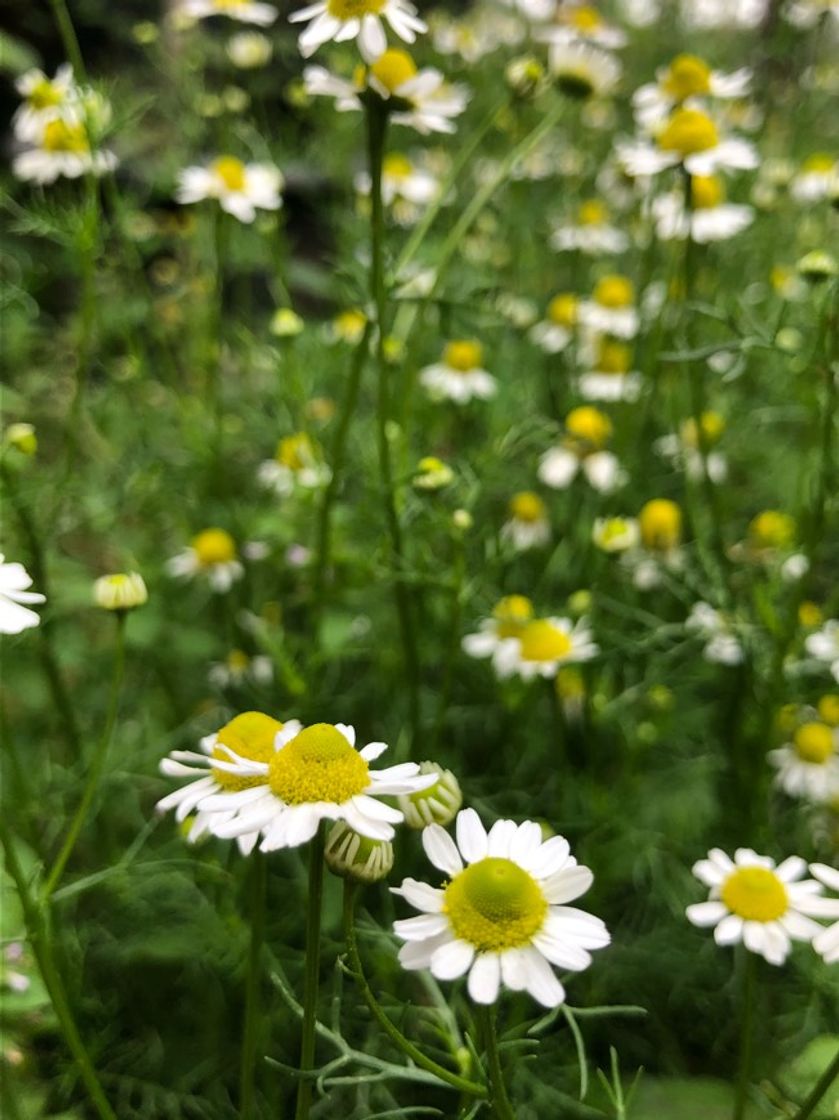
pixel 583 452
pixel 245 11
pixel 342 20
pixel 754 902
pixel 297 462
pixel 211 554
pixel 437 804
pixel 60 146
pixel 15 615
pixel 689 138
pixel 582 71
pixel 502 914
pixel 616 534
pixel 817 178
pixel 582 24
pixel 121 591
pixel 459 376
pixel 686 78
pixel 309 775
pixel 239 188
pixel 683 448
pixel 528 525
pixel 808 766
pixel 710 217
pixel 590 232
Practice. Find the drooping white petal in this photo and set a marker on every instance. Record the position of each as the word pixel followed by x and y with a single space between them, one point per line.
pixel 441 850
pixel 452 960
pixel 471 836
pixel 484 978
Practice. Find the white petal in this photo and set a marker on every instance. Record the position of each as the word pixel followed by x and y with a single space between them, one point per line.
pixel 441 849
pixel 372 751
pixel 484 978
pixel 500 837
pixel 421 927
pixel 451 960
pixel 541 980
pixel 420 895
pixel 729 930
pixel 706 913
pixel 471 836
pixel 568 884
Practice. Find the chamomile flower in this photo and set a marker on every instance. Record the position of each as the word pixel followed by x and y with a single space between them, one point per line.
pixel 817 175
pixel 710 217
pixel 826 942
pixel 543 645
pixel 582 71
pixel 660 525
pixel 60 147
pixel 211 555
pixel 239 188
pixel 591 232
pixel 722 646
pixel 685 78
pixel 406 188
pixel 421 99
pixel 502 915
pixel 250 735
pixel 239 668
pixel 553 333
pixel 690 138
pixel 611 379
pixel 824 645
pixel 509 617
pixel 458 375
pixel 15 582
pixel 611 309
pixel 754 902
pixel 616 534
pixel 582 452
pixel 297 463
pixel 528 525
pixel 809 765
pixel 348 326
pixel 582 24
pixel 682 447
pixel 44 99
pixel 245 11
pixel 311 775
pixel 341 20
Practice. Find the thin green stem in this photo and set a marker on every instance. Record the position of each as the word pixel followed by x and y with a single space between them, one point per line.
pixel 250 1032
pixel 819 1090
pixel 499 1100
pixel 41 947
pixel 312 974
pixel 97 763
pixel 69 39
pixel 462 1084
pixel 747 1007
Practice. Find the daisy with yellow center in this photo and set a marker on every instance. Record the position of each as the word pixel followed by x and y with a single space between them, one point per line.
pixel 660 525
pixel 824 646
pixel 611 309
pixel 580 70
pixel 297 462
pixel 509 618
pixel 553 333
pixel 528 525
pixel 239 188
pixel 60 147
pixel 542 646
pixel 244 11
pixel 582 25
pixel 582 452
pixel 502 915
pixel 311 775
pixel 754 902
pixel 817 178
pixel 341 20
pixel 686 79
pixel 808 767
pixel 212 553
pixel 458 376
pixel 683 451
pixel 406 188
pixel 44 99
pixel 710 217
pixel 611 379
pixel 591 232
pixel 689 138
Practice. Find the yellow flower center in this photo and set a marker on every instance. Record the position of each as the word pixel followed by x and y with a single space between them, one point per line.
pixel 463 355
pixel 660 522
pixel 613 529
pixel 44 95
pixel 772 529
pixel 713 426
pixel 819 162
pixel 541 641
pixel 59 136
pixel 585 19
pixel 397 166
pixel 687 76
pixel 527 506
pixel 706 192
pixel 829 709
pixel 688 131
pixel 237 661
pixel 214 546
pixel 562 309
pixel 813 742
pixel 614 292
pixel 614 357
pixel 251 735
pixel 810 615
pixel 755 894
pixel 349 324
pixel 318 765
pixel 512 613
pixel 394 68
pixel 590 425
pixel 295 452
pixel 224 5
pixel 592 212
pixel 354 9
pixel 231 171
pixel 495 905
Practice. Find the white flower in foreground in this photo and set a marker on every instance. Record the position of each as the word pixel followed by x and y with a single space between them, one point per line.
pixel 340 20
pixel 583 452
pixel 250 735
pixel 297 462
pixel 824 645
pixel 754 902
pixel 710 218
pixel 826 943
pixel 245 11
pixel 553 333
pixel 14 584
pixel 44 99
pixel 212 553
pixel 311 775
pixel 61 147
pixel 591 233
pixel 423 99
pixel 543 646
pixel 611 309
pixel 809 766
pixel 458 376
pixel 239 188
pixel 722 646
pixel 685 78
pixel 690 138
pixel 528 525
pixel 502 915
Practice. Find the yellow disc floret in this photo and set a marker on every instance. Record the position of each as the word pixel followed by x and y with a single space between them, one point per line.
pixel 397 166
pixel 814 743
pixel 613 357
pixel 563 309
pixel 614 291
pixel 60 136
pixel 589 425
pixel 250 735
pixel 687 76
pixel 688 131
pixel 755 894
pixel 214 546
pixel 393 68
pixel 231 171
pixel 463 355
pixel 660 521
pixel 512 613
pixel 772 529
pixel 542 641
pixel 295 452
pixel 318 765
pixel 495 905
pixel 819 162
pixel 592 212
pixel 527 506
pixel 706 192
pixel 45 95
pixel 584 18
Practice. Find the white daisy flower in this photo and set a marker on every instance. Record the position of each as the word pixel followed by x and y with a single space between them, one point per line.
pixel 808 767
pixel 212 554
pixel 754 902
pixel 14 584
pixel 297 462
pixel 660 523
pixel 238 668
pixel 591 233
pixel 688 138
pixel 543 645
pixel 824 645
pixel 406 188
pixel 503 915
pixel 423 99
pixel 313 774
pixel 582 452
pixel 611 309
pixel 682 448
pixel 245 11
pixel 509 617
pixel 60 147
pixel 826 943
pixel 458 376
pixel 710 218
pixel 340 20
pixel 240 188
pixel 250 735
pixel 722 646
pixel 582 71
pixel 582 24
pixel 819 175
pixel 528 525
pixel 44 100
pixel 686 77
pixel 616 534
pixel 553 333
pixel 611 379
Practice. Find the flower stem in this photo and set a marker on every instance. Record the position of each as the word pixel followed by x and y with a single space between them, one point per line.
pixel 747 1003
pixel 819 1090
pixel 312 977
pixel 97 762
pixel 407 1047
pixel 69 39
pixel 250 1032
pixel 499 1099
pixel 377 120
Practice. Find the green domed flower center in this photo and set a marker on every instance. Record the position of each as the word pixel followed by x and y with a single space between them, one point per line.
pixel 318 765
pixel 755 894
pixel 250 735
pixel 495 905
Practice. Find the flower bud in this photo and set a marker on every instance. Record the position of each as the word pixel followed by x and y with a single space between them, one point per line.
pixel 121 591
pixel 432 474
pixel 22 437
pixel 818 266
pixel 285 323
pixel 357 857
pixel 436 805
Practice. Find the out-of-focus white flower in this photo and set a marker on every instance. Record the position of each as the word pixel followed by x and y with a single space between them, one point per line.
pixel 660 525
pixel 509 617
pixel 582 24
pixel 406 188
pixel 238 668
pixel 611 378
pixel 249 50
pixel 682 447
pixel 686 78
pixel 44 99
pixel 528 525
pixel 341 20
pixel 807 14
pixel 590 233
pixel 808 766
pixel 582 71
pixel 60 146
pixel 722 646
pixel 824 645
pixel 458 376
pixel 582 452
pixel 239 188
pixel 542 646
pixel 818 176
pixel 611 309
pixel 616 534
pixel 297 462
pixel 14 584
pixel 245 11
pixel 553 333
pixel 211 554
pixel 826 942
pixel 710 217
pixel 690 138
